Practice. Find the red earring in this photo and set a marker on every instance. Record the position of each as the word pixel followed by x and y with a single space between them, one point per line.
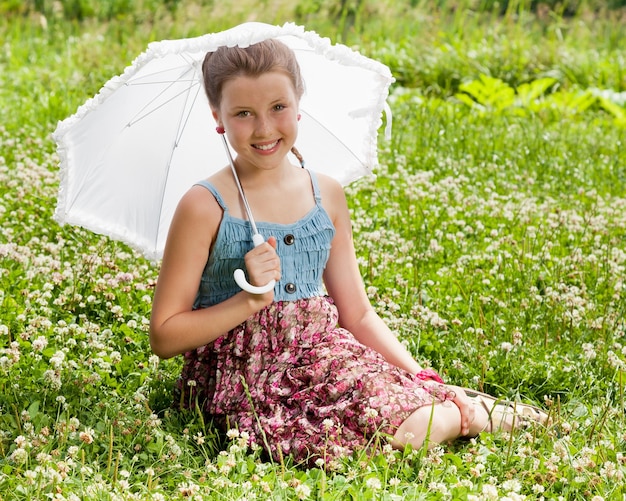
pixel 220 129
pixel 299 116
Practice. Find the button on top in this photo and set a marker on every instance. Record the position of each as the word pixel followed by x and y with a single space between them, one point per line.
pixel 290 288
pixel 289 239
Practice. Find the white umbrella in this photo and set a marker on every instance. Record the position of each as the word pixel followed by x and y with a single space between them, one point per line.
pixel 131 152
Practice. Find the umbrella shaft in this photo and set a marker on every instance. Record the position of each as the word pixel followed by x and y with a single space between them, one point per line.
pixel 239 187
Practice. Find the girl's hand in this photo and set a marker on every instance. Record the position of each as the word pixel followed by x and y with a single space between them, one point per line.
pixel 263 265
pixel 466 408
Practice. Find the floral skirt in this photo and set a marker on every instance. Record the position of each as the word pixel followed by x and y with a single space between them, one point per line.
pixel 300 385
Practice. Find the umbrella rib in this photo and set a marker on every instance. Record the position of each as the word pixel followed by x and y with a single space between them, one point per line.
pixel 152 82
pixel 137 80
pixel 139 116
pixel 347 148
pixel 184 119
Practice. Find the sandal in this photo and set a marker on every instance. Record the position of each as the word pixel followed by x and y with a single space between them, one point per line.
pixel 522 415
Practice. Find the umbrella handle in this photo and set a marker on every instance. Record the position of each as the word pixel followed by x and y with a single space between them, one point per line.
pixel 240 276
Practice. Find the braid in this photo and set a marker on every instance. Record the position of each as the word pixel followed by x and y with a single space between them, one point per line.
pixel 295 151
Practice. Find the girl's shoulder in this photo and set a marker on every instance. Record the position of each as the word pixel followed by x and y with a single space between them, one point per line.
pixel 328 185
pixel 332 195
pixel 199 204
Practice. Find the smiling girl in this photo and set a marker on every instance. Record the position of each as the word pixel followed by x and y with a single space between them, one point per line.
pixel 308 368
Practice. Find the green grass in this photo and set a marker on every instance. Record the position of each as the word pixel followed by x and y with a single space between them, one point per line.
pixel 493 241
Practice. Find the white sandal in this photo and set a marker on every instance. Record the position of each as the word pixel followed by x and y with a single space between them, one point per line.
pixel 522 415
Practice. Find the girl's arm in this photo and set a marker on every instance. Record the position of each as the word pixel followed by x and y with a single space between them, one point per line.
pixel 174 327
pixel 345 285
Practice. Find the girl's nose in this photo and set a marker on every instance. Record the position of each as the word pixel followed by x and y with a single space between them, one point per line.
pixel 263 125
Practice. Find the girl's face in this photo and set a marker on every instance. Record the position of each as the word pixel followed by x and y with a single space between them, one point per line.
pixel 260 115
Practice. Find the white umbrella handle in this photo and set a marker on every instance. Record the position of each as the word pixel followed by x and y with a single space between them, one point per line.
pixel 240 276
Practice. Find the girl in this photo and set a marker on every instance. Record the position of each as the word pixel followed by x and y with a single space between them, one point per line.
pixel 304 373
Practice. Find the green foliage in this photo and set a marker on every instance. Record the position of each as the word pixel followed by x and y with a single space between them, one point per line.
pixel 492 95
pixel 84 9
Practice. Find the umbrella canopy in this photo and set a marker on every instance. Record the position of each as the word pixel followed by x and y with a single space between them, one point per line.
pixel 130 153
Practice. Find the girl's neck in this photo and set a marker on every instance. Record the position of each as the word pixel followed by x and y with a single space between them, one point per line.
pixel 252 178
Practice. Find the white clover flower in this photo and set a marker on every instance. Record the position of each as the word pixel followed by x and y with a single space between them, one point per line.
pixel 124 473
pixel 19 456
pixel 373 483
pixel 303 491
pixel 490 491
pixel 40 343
pixel 394 482
pixel 175 450
pixel 43 457
pixel 465 483
pixel 188 489
pixel 86 436
pixel 153 421
pixel 477 470
pixel 116 357
pixel 30 476
pixel 53 378
pixel 512 485
pixel 328 424
pixel 371 413
pixel 154 361
pixel 538 489
pixel 506 346
pixel 21 441
pixel 56 360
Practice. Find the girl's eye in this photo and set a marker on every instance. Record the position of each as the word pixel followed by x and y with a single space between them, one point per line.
pixel 279 107
pixel 243 114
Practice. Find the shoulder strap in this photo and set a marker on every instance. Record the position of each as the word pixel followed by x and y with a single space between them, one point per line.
pixel 316 188
pixel 205 184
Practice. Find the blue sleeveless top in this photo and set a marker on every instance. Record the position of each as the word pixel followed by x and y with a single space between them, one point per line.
pixel 303 248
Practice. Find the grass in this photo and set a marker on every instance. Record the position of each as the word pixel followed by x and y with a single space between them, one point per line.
pixel 493 241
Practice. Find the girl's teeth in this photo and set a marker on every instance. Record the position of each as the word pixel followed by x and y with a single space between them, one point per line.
pixel 266 147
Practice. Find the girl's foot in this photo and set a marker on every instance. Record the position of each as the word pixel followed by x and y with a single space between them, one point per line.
pixel 505 415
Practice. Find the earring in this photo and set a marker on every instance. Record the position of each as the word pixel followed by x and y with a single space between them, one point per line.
pixel 299 116
pixel 220 129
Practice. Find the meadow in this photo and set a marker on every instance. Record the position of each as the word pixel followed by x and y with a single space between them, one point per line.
pixel 492 240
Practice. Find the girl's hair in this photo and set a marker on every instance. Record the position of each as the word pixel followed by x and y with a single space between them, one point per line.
pixel 227 63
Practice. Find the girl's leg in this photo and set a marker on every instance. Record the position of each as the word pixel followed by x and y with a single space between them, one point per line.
pixel 439 423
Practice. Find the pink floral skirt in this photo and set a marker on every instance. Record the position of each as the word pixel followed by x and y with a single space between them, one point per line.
pixel 300 385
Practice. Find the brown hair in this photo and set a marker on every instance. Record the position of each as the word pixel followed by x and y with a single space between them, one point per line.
pixel 227 63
